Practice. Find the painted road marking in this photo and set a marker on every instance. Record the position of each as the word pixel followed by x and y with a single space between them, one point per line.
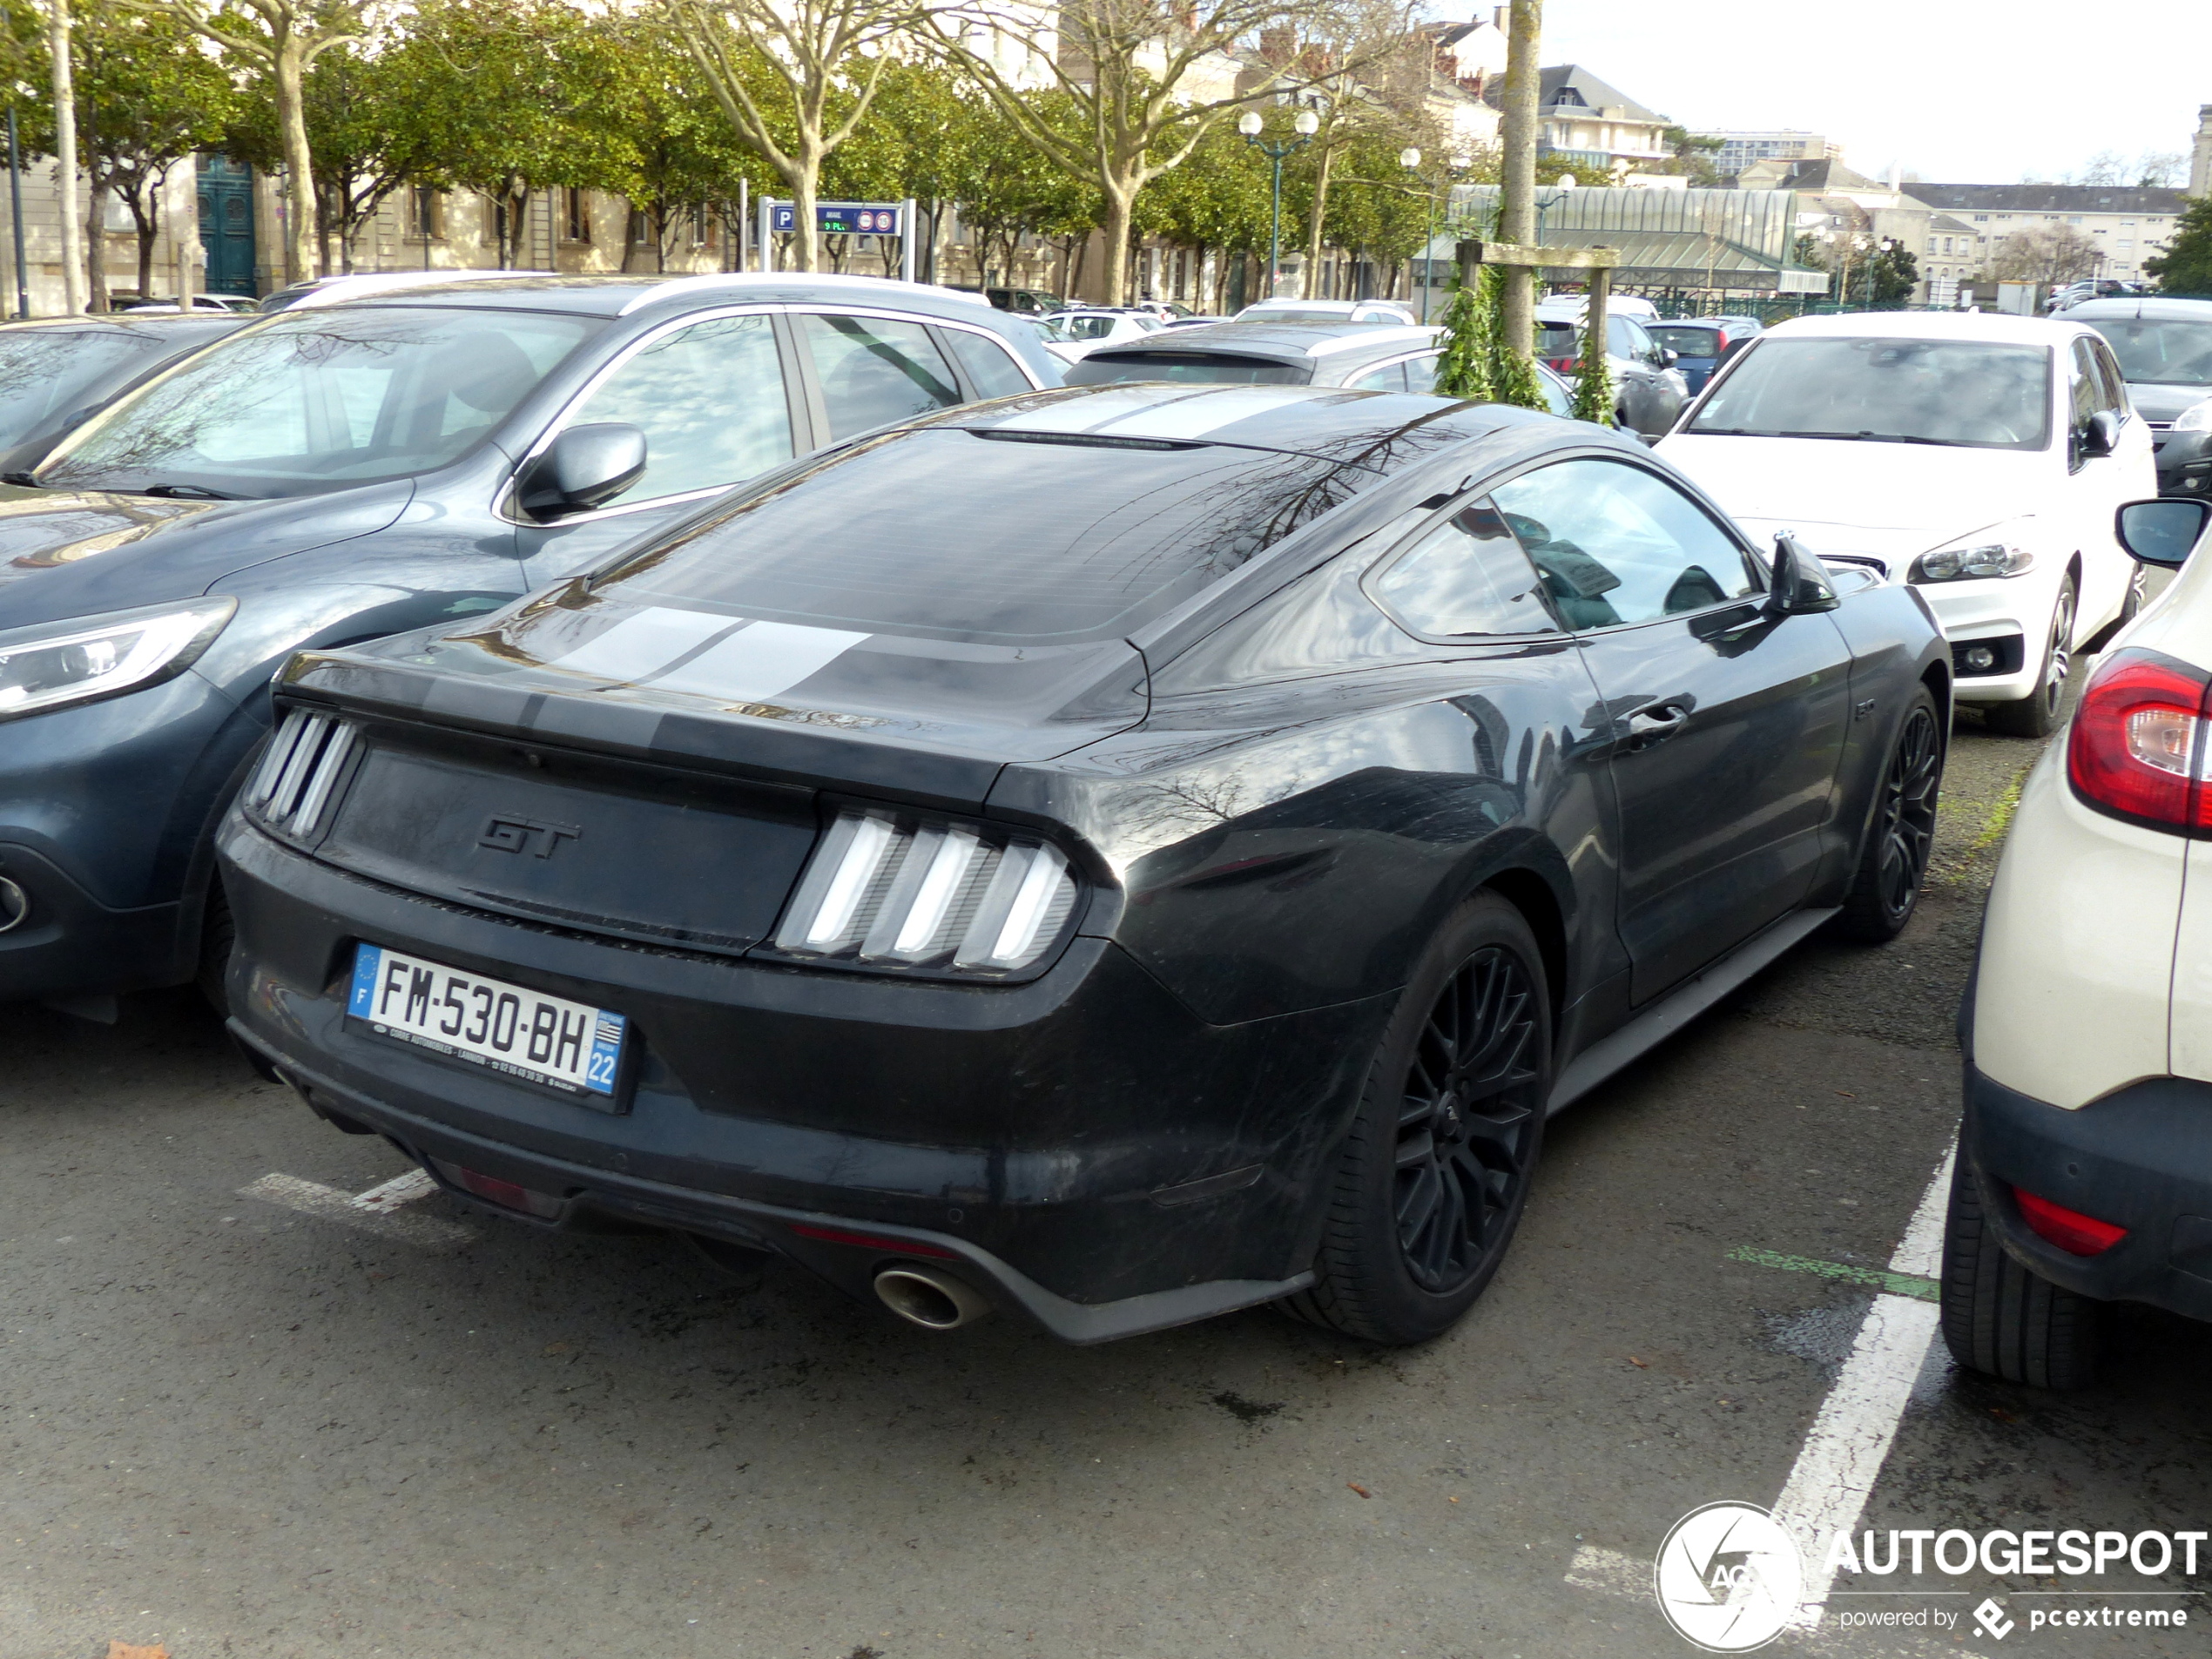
pixel 401 1189
pixel 1895 1284
pixel 328 1203
pixel 1844 1452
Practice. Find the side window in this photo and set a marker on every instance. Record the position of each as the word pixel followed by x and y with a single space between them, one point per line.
pixel 1389 378
pixel 710 401
pixel 989 365
pixel 1466 575
pixel 874 371
pixel 2088 396
pixel 1617 544
pixel 2112 384
pixel 1420 373
pixel 1641 346
pixel 1618 340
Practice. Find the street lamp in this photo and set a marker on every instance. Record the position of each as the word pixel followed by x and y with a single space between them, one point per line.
pixel 1307 123
pixel 1410 158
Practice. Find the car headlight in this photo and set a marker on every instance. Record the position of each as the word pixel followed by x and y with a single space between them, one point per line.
pixel 2196 418
pixel 1967 563
pixel 903 891
pixel 86 657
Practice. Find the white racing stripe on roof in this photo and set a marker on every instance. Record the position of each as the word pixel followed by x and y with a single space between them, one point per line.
pixel 1200 417
pixel 1089 413
pixel 644 644
pixel 760 661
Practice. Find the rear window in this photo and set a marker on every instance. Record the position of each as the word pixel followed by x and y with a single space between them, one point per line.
pixel 949 533
pixel 1690 342
pixel 1185 366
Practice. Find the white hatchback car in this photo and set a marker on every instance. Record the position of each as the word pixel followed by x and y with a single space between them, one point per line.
pixel 1069 334
pixel 1980 458
pixel 2085 1170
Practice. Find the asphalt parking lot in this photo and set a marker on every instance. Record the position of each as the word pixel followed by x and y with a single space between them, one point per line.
pixel 279 1424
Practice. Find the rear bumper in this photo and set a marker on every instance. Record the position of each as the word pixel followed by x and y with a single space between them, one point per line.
pixel 1082 1147
pixel 2141 1158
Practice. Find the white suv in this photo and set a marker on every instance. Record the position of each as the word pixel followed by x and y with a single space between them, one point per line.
pixel 2084 1163
pixel 1980 458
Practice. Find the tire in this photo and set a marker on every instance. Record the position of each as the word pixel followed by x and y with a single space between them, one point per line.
pixel 2001 1319
pixel 2130 608
pixel 1893 864
pixel 2037 714
pixel 217 934
pixel 1430 1181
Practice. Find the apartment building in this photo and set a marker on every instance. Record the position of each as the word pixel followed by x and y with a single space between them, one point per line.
pixel 1594 125
pixel 2127 224
pixel 1740 150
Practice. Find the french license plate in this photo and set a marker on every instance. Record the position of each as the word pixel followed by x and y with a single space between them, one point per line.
pixel 564 1045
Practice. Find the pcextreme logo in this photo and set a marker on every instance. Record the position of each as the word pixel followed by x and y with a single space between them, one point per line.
pixel 1727 1577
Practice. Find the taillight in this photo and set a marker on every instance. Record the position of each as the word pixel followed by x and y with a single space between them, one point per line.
pixel 1720 341
pixel 892 891
pixel 2071 1231
pixel 2137 749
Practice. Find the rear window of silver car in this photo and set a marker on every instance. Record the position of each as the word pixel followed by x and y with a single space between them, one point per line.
pixel 1216 367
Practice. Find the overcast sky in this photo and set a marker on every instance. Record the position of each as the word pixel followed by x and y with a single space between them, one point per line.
pixel 1976 93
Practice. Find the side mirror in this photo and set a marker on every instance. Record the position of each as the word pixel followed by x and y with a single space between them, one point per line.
pixel 585 467
pixel 2163 532
pixel 1800 586
pixel 2101 436
pixel 1670 356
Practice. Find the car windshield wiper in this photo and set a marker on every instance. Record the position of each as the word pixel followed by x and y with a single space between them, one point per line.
pixel 189 492
pixel 28 480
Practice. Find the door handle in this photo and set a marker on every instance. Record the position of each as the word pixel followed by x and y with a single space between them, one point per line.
pixel 1655 724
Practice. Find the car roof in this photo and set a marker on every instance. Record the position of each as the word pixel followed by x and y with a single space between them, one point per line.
pixel 1379 430
pixel 1931 325
pixel 622 296
pixel 1282 342
pixel 126 322
pixel 2149 306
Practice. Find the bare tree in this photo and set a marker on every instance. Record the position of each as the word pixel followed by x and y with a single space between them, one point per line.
pixel 2048 254
pixel 1148 78
pixel 290 36
pixel 795 79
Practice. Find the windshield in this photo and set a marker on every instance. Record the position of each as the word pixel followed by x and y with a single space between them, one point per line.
pixel 316 400
pixel 1185 366
pixel 1690 342
pixel 2160 351
pixel 46 372
pixel 1970 394
pixel 1078 326
pixel 1086 539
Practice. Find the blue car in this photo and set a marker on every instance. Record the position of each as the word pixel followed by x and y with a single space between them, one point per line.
pixel 1702 346
pixel 346 471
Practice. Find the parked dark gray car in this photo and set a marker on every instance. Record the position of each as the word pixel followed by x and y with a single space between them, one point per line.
pixel 340 472
pixel 2165 350
pixel 55 372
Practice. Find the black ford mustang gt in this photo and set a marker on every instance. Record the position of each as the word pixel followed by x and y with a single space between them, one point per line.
pixel 1120 853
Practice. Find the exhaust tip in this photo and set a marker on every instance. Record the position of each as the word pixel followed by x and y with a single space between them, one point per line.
pixel 933 1300
pixel 14 905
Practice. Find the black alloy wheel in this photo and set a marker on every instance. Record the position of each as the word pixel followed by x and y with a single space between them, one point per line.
pixel 1894 864
pixel 1467 1124
pixel 1431 1178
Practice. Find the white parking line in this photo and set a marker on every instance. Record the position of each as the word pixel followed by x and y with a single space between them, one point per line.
pixel 328 1203
pixel 401 1189
pixel 1844 1452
